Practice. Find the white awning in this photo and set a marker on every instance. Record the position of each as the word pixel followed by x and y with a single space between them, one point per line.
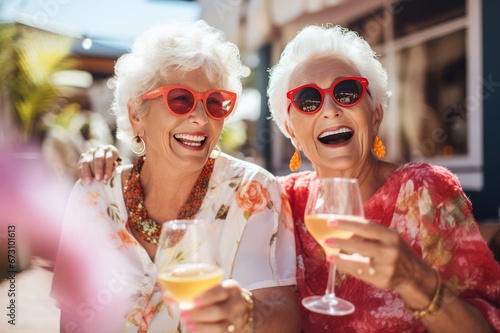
pixel 253 23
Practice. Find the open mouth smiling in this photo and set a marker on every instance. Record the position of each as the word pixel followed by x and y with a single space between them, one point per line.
pixel 190 140
pixel 336 137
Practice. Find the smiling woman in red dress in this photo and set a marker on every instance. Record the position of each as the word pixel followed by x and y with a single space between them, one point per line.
pixel 429 268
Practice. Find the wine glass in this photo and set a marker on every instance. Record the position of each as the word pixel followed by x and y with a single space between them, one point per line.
pixel 188 265
pixel 337 198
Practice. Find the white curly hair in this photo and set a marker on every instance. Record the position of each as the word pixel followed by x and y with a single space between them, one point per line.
pixel 315 42
pixel 162 50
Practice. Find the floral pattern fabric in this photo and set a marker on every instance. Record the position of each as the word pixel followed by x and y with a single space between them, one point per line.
pixel 104 280
pixel 428 208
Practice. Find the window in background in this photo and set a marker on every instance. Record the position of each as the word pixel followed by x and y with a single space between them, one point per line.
pixel 432 51
pixel 432 84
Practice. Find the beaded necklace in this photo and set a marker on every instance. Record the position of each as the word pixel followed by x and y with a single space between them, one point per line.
pixel 139 219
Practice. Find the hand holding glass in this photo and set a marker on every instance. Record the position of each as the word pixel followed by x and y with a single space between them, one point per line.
pixel 339 199
pixel 189 265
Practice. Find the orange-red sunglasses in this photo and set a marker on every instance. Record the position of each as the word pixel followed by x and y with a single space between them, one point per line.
pixel 347 91
pixel 181 101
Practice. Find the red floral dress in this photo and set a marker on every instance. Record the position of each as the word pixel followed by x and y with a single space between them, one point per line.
pixel 428 208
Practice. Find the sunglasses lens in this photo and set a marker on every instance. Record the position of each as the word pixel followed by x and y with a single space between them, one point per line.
pixel 180 101
pixel 307 99
pixel 219 104
pixel 348 92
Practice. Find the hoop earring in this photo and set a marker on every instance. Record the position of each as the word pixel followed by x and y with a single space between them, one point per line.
pixel 295 160
pixel 138 145
pixel 216 152
pixel 378 147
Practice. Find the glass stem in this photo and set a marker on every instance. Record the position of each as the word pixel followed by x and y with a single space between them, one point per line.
pixel 330 286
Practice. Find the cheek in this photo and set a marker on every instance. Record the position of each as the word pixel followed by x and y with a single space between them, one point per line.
pixel 293 120
pixel 303 127
pixel 364 117
pixel 217 127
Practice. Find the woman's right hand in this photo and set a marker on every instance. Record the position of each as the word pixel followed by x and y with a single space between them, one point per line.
pixel 217 309
pixel 98 163
pixel 225 309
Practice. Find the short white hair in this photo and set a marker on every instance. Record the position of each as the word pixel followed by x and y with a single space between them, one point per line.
pixel 315 42
pixel 162 50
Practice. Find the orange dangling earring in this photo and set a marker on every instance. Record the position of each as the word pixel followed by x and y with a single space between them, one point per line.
pixel 295 160
pixel 378 147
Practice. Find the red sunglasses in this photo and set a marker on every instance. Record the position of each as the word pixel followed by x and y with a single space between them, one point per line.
pixel 181 101
pixel 347 91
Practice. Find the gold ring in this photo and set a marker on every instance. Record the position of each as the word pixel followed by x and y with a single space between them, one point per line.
pixel 371 271
pixel 359 271
pixel 231 328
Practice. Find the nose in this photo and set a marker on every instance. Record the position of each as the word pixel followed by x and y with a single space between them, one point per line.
pixel 330 108
pixel 199 114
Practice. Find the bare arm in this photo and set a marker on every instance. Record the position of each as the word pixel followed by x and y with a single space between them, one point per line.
pixel 397 267
pixel 455 314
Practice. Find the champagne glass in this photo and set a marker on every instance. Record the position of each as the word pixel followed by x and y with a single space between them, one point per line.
pixel 188 265
pixel 337 198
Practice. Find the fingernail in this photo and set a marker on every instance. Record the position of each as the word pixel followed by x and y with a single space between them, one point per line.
pixel 197 302
pixel 185 315
pixel 190 326
pixel 329 241
pixel 87 180
pixel 331 258
pixel 98 177
pixel 333 223
pixel 105 176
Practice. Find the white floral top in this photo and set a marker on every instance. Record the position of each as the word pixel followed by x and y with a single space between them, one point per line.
pixel 104 280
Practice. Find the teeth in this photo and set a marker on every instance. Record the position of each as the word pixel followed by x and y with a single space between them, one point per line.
pixel 342 130
pixel 198 138
pixel 190 140
pixel 193 144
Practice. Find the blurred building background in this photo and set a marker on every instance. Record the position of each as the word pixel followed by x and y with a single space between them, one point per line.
pixel 56 81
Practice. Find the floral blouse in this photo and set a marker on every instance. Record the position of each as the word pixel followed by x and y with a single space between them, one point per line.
pixel 428 208
pixel 104 280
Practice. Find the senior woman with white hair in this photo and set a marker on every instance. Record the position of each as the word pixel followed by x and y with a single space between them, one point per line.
pixel 429 268
pixel 173 92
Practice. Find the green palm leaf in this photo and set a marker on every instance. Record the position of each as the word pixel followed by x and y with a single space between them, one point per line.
pixel 29 58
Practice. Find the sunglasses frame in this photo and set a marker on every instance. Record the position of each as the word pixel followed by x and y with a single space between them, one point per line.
pixel 329 91
pixel 164 90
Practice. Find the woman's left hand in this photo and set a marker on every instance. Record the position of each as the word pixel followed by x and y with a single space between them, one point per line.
pixel 220 309
pixel 391 264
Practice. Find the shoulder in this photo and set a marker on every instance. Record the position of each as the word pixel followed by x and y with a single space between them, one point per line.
pixel 437 180
pixel 297 180
pixel 296 183
pixel 425 172
pixel 227 167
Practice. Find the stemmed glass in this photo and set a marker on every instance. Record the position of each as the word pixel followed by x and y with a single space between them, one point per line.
pixel 188 264
pixel 337 198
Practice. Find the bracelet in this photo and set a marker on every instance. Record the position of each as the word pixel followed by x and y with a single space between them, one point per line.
pixel 247 295
pixel 436 303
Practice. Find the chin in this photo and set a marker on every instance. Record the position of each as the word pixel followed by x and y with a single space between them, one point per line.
pixel 338 163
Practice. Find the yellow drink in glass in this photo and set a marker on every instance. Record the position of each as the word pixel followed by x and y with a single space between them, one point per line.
pixel 317 226
pixel 184 282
